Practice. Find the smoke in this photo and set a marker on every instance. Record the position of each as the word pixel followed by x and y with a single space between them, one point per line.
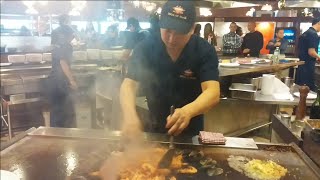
pixel 135 152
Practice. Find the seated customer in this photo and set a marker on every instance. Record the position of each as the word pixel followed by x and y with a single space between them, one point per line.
pixel 231 41
pixel 279 41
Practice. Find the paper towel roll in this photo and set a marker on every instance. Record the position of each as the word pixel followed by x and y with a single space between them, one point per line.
pixel 267 84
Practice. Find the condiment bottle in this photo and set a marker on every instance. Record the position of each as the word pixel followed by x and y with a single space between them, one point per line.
pixel 302 106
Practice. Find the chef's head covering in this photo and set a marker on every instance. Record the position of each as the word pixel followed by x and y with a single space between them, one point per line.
pixel 315 20
pixel 133 22
pixel 178 15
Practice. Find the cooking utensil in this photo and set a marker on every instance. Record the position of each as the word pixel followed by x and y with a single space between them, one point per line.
pixel 166 160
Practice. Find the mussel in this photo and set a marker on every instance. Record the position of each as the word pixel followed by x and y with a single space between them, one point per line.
pixel 195 156
pixel 207 163
pixel 214 171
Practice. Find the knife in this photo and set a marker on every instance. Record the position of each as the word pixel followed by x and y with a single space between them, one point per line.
pixel 166 160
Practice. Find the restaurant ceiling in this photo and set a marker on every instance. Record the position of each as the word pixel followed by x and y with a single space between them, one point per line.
pixel 97 9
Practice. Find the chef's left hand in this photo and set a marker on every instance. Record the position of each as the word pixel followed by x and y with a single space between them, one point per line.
pixel 178 121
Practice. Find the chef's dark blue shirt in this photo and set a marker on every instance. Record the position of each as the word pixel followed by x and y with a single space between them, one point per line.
pixel 169 83
pixel 305 73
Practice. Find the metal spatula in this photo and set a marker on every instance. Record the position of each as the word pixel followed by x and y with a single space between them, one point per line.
pixel 166 160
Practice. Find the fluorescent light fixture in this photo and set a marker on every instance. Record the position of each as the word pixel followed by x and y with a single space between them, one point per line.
pixel 266 7
pixel 241 4
pixel 205 12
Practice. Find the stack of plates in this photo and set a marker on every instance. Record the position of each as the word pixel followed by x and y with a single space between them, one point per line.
pixel 229 64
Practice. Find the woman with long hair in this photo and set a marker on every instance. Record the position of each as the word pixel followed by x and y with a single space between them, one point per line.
pixel 209 34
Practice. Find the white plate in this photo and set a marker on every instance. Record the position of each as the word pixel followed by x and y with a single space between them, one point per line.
pixel 310 95
pixel 7 175
pixel 229 64
pixel 5 64
pixel 257 61
pixel 250 63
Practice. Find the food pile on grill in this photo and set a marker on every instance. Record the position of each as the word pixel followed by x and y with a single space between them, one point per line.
pixel 185 163
pixel 257 169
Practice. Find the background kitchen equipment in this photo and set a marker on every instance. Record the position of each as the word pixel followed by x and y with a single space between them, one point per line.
pixel 19 58
pixel 243 91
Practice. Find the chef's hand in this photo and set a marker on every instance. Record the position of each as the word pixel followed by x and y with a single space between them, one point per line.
pixel 277 44
pixel 271 43
pixel 178 121
pixel 73 85
pixel 131 128
pixel 246 50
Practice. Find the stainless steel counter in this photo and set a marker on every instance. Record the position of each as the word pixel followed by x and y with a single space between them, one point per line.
pixel 242 69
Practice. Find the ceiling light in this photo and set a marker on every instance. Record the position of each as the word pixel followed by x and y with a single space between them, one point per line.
pixel 205 12
pixel 149 6
pixel 159 10
pixel 43 3
pixel 251 12
pixel 241 4
pixel 266 7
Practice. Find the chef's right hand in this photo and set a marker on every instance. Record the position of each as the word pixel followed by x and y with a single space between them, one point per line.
pixel 73 85
pixel 131 128
pixel 271 43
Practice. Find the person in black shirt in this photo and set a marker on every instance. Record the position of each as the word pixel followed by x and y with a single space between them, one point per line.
pixel 252 41
pixel 175 68
pixel 61 80
pixel 133 36
pixel 308 52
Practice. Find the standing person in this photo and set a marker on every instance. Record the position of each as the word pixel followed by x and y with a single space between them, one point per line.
pixel 231 41
pixel 154 24
pixel 209 35
pixel 24 31
pixel 239 31
pixel 91 36
pixel 133 36
pixel 112 38
pixel 197 30
pixel 61 79
pixel 175 68
pixel 252 41
pixel 279 41
pixel 308 52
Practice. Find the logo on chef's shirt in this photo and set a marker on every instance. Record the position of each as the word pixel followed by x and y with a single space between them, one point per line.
pixel 178 12
pixel 188 74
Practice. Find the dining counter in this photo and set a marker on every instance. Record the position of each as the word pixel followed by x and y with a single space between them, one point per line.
pixel 243 69
pixel 223 71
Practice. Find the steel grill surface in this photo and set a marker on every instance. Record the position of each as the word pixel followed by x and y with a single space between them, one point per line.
pixel 57 158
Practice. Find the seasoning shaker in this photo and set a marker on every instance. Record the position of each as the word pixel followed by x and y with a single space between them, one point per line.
pixel 286 119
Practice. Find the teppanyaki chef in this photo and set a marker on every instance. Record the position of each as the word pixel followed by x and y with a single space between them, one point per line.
pixel 173 68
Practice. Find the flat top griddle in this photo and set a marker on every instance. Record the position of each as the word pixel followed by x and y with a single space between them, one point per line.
pixel 57 158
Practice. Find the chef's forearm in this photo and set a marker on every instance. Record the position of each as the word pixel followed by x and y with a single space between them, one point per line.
pixel 207 99
pixel 128 96
pixel 66 70
pixel 126 54
pixel 312 52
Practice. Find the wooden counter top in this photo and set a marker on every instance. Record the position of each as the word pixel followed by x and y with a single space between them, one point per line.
pixel 243 69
